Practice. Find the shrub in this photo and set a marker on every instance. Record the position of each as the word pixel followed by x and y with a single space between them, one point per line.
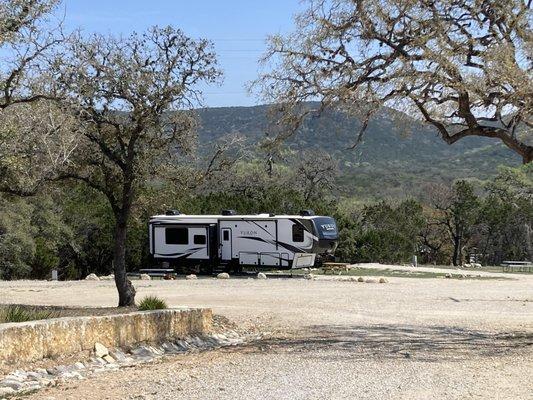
pixel 152 303
pixel 23 314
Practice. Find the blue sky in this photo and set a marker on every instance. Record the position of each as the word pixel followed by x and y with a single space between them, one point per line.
pixel 238 29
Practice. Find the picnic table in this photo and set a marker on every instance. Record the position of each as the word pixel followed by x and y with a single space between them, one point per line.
pixel 518 266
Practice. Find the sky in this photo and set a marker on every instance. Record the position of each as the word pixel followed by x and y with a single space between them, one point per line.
pixel 238 29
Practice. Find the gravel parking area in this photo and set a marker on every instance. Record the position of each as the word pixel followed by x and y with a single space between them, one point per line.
pixel 327 339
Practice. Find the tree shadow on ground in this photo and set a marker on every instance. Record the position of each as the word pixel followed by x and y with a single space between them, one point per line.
pixel 423 343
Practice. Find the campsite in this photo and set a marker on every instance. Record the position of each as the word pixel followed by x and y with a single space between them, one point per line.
pixel 315 199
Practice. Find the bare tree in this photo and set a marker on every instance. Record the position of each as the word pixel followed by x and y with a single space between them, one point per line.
pixel 316 171
pixel 456 210
pixel 27 40
pixel 34 137
pixel 36 141
pixel 131 97
pixel 463 67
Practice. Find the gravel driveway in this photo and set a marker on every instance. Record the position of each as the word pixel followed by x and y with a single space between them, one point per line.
pixel 329 339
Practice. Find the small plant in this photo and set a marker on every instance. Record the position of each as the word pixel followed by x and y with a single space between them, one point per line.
pixel 152 303
pixel 17 313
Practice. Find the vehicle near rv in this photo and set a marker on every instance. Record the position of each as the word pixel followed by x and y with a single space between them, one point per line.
pixel 231 242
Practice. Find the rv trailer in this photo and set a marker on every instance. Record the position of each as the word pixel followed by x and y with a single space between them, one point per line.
pixel 231 242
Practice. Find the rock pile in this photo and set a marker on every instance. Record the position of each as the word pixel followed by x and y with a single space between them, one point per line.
pixel 104 359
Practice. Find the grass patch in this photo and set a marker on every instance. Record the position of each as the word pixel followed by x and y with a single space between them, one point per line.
pixel 17 313
pixel 485 268
pixel 396 273
pixel 152 303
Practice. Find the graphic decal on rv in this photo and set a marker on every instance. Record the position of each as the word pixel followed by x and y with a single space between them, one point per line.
pixel 255 223
pixel 287 246
pixel 305 228
pixel 181 255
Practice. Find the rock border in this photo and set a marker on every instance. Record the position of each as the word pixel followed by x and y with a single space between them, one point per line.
pixel 35 340
pixel 104 359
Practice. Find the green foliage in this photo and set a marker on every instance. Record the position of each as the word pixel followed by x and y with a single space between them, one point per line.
pixel 508 215
pixel 17 245
pixel 45 259
pixel 380 232
pixel 71 229
pixel 15 313
pixel 149 303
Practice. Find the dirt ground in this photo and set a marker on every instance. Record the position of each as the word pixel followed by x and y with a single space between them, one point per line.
pixel 329 339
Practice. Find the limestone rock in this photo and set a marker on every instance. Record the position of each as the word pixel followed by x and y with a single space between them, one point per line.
pixel 143 351
pixel 310 277
pixel 92 277
pixel 6 391
pixel 79 365
pixel 360 279
pixel 223 275
pixel 370 280
pixel 107 358
pixel 34 376
pixel 145 277
pixel 12 383
pixel 448 275
pixel 118 355
pixel 261 275
pixel 100 350
pixel 383 280
pixel 107 277
pixel 191 276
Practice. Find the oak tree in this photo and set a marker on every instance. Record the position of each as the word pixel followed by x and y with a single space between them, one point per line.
pixel 131 96
pixel 462 66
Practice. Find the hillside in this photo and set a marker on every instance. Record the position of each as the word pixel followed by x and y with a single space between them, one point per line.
pixel 388 163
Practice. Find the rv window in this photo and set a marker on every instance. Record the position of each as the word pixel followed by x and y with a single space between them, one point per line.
pixel 225 235
pixel 177 236
pixel 297 233
pixel 199 239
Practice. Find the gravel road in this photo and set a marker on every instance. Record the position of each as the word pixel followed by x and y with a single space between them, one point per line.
pixel 329 339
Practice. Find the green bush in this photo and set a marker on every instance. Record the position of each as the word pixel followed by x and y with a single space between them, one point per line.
pixel 152 303
pixel 23 314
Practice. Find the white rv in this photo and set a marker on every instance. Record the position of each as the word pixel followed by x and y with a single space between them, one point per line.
pixel 235 241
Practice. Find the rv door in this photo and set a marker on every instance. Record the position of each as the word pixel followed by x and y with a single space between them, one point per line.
pixel 225 243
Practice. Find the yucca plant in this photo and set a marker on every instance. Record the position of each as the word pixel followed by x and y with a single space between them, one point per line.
pixel 16 313
pixel 152 303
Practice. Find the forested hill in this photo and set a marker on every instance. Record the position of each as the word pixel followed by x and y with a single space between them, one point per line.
pixel 388 162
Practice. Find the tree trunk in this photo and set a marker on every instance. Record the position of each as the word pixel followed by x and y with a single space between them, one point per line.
pixel 126 291
pixel 527 156
pixel 529 241
pixel 457 250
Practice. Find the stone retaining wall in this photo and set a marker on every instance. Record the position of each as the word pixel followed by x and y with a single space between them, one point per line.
pixel 30 341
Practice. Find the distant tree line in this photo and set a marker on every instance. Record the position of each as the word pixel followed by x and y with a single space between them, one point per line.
pixel 71 227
